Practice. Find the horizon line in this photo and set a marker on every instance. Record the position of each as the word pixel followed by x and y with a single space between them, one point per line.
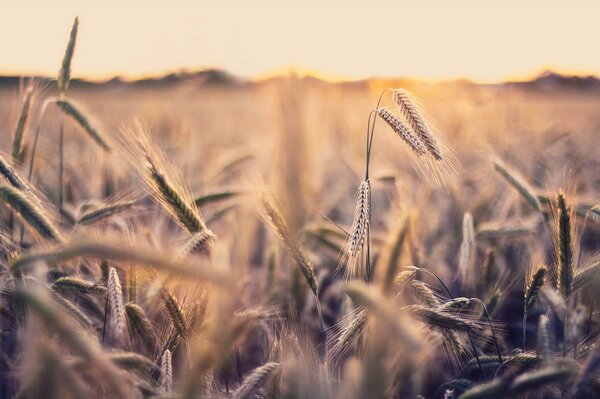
pixel 300 72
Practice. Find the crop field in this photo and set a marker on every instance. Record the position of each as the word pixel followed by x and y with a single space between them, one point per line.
pixel 204 236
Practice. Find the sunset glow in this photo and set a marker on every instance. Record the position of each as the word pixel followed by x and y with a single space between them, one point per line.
pixel 424 39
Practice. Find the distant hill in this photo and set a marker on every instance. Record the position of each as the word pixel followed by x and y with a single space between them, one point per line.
pixel 550 81
pixel 547 81
pixel 205 77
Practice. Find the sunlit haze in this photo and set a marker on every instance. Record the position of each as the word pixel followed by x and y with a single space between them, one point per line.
pixel 479 40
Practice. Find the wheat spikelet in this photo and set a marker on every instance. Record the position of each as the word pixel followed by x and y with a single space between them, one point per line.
pixel 115 303
pixel 164 181
pixel 255 380
pixel 99 214
pixel 64 76
pixel 358 232
pixel 404 131
pixel 72 284
pixel 75 112
pixel 21 123
pixel 412 114
pixel 176 313
pixel 533 287
pixel 565 248
pixel 467 251
pixel 166 371
pixel 141 325
pixel 30 213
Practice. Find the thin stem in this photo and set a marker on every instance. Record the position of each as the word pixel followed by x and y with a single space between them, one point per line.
pixel 524 328
pixel 61 161
pixel 487 315
pixel 565 327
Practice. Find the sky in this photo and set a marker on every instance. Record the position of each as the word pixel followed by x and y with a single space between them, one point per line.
pixel 485 41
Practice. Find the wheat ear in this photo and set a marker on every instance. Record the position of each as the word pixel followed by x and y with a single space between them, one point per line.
pixel 176 314
pixel 30 213
pixel 75 112
pixel 255 380
pixel 166 371
pixel 141 324
pixel 565 248
pixel 70 284
pixel 360 225
pixel 21 124
pixel 115 303
pixel 403 130
pixel 414 117
pixel 64 76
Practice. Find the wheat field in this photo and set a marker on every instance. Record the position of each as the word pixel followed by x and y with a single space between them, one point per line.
pixel 200 236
